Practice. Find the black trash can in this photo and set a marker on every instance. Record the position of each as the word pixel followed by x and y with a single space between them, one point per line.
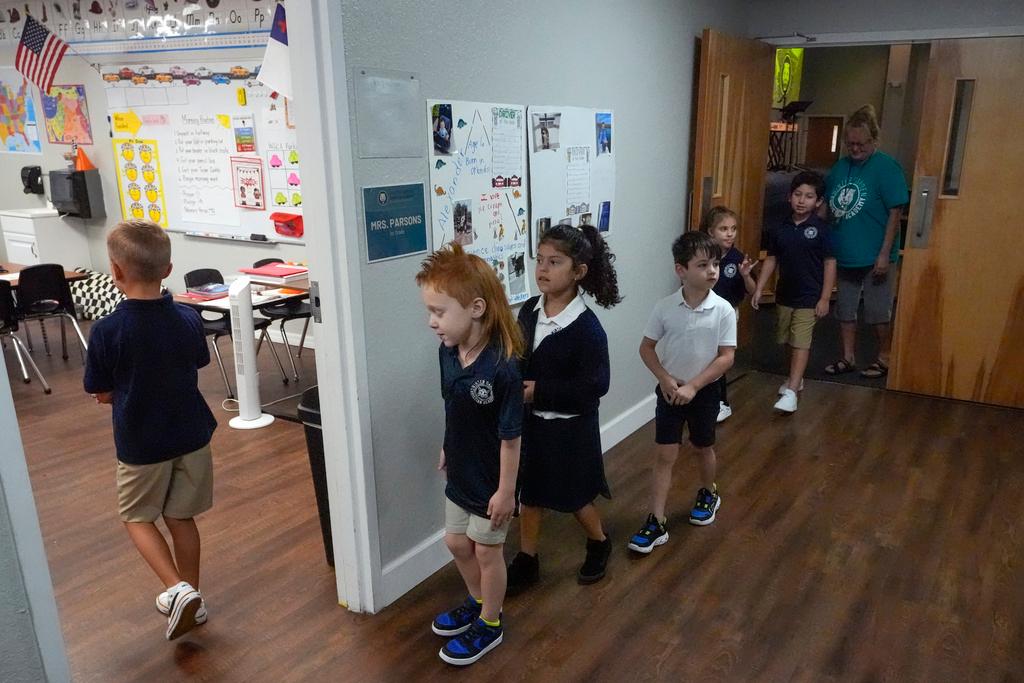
pixel 309 414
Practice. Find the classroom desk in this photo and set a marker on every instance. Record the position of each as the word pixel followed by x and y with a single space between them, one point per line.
pixel 11 271
pixel 267 296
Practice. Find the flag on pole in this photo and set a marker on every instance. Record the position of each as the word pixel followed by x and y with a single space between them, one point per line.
pixel 39 54
pixel 275 72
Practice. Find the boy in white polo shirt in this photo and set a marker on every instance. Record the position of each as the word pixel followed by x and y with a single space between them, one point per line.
pixel 689 342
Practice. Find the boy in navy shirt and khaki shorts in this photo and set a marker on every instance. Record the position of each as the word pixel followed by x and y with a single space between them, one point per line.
pixel 801 246
pixel 143 360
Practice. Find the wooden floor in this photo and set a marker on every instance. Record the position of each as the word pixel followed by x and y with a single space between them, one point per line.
pixel 871 536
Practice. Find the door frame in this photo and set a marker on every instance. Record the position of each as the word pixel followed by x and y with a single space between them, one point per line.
pixel 319 73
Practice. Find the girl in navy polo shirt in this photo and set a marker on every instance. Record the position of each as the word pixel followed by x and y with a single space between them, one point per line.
pixel 565 373
pixel 483 403
pixel 734 280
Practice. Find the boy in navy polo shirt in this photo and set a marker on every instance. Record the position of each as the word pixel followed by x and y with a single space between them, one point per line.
pixel 689 342
pixel 801 247
pixel 143 360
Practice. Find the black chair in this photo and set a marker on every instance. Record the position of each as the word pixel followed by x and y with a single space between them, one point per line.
pixel 8 327
pixel 43 292
pixel 220 326
pixel 285 311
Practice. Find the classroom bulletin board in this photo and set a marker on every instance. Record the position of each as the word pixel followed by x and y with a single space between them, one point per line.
pixel 478 180
pixel 572 167
pixel 203 147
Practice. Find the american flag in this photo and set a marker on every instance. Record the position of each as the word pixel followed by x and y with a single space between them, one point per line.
pixel 39 54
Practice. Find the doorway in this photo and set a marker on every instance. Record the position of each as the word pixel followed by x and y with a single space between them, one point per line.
pixel 835 81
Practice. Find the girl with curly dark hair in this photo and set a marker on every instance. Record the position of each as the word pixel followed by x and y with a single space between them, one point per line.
pixel 565 373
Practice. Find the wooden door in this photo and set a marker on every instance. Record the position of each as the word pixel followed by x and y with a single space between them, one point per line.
pixel 960 318
pixel 824 141
pixel 734 100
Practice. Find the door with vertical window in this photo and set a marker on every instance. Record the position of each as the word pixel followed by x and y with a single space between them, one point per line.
pixel 730 153
pixel 959 329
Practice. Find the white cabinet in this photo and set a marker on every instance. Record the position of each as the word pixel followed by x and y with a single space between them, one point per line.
pixel 34 236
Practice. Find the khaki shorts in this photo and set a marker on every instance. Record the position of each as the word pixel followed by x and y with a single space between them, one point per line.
pixel 796 326
pixel 478 529
pixel 180 488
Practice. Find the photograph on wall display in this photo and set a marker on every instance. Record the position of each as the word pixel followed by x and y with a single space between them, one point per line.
pixel 517 273
pixel 604 218
pixel 462 221
pixel 441 120
pixel 603 126
pixel 586 219
pixel 566 221
pixel 545 127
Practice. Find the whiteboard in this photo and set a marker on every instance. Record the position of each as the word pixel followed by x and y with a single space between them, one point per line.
pixel 478 179
pixel 202 148
pixel 572 168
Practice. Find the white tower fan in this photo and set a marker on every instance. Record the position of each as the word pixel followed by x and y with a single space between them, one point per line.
pixel 247 375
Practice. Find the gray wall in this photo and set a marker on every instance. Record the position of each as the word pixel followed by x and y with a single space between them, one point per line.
pixel 188 252
pixel 20 659
pixel 635 58
pixel 782 17
pixel 31 642
pixel 842 79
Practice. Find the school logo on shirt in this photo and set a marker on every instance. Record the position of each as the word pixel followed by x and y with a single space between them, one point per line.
pixel 729 270
pixel 848 199
pixel 482 392
pixel 810 232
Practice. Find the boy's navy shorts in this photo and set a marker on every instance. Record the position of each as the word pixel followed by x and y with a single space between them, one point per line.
pixel 699 415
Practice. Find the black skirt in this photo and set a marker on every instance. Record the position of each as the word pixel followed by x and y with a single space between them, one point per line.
pixel 561 467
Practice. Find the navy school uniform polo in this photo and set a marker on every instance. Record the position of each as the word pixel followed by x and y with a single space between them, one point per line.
pixel 800 251
pixel 730 285
pixel 483 406
pixel 148 352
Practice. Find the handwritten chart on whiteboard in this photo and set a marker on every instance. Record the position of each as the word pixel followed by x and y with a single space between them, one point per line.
pixel 227 149
pixel 572 167
pixel 478 181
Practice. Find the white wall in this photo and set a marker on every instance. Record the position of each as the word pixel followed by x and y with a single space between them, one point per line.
pixel 635 58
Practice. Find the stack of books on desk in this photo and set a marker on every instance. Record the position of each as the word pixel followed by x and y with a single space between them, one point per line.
pixel 276 273
pixel 207 292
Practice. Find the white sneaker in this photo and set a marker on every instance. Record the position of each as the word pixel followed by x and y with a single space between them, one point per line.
pixel 163 606
pixel 185 602
pixel 787 401
pixel 724 411
pixel 785 385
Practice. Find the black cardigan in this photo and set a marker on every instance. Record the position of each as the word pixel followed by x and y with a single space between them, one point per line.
pixel 570 367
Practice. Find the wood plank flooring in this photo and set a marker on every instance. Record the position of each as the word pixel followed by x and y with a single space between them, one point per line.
pixel 871 536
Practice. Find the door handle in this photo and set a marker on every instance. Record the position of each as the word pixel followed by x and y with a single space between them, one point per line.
pixel 314 301
pixel 922 208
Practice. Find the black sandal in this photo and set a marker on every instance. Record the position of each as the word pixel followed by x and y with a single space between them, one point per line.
pixel 840 367
pixel 876 370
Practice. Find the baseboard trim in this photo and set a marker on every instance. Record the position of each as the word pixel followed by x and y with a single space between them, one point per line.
pixel 274 332
pixel 405 572
pixel 628 421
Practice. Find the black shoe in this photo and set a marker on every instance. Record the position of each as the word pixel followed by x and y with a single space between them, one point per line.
pixel 522 573
pixel 594 566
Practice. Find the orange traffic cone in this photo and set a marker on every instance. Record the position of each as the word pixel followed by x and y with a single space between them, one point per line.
pixel 82 162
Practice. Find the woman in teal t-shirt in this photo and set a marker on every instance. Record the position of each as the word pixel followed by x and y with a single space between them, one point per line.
pixel 866 193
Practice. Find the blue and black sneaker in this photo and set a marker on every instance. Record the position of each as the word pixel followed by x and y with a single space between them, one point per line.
pixel 477 641
pixel 703 512
pixel 651 534
pixel 456 621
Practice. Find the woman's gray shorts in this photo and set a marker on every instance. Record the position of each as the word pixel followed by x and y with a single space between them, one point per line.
pixel 878 294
